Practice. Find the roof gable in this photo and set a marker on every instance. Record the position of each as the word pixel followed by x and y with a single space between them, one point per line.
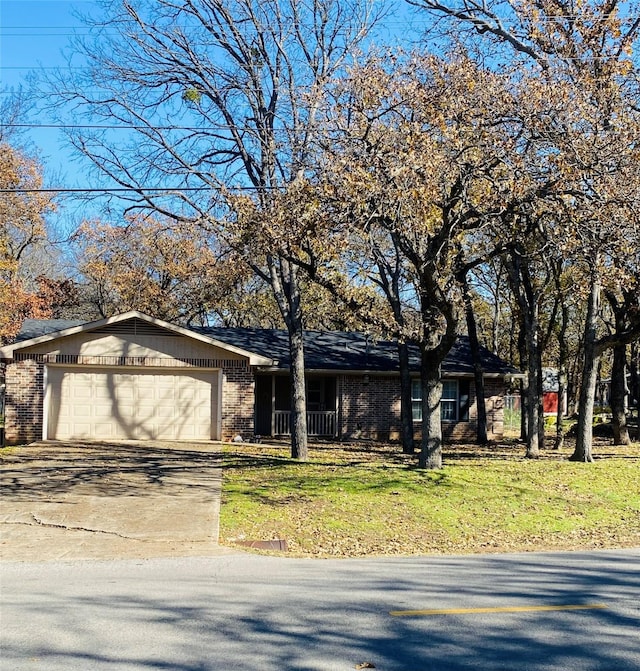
pixel 35 332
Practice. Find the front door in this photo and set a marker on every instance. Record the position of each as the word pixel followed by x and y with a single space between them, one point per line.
pixel 264 396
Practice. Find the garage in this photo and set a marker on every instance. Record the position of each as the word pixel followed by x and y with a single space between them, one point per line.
pixel 126 377
pixel 89 403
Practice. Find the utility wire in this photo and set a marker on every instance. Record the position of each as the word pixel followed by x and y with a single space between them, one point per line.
pixel 560 57
pixel 426 18
pixel 131 189
pixel 74 126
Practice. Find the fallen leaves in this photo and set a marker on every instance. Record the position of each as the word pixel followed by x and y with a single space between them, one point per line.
pixel 351 502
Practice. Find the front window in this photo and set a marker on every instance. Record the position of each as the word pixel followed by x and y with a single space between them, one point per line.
pixel 454 404
pixel 449 401
pixel 416 400
pixel 315 394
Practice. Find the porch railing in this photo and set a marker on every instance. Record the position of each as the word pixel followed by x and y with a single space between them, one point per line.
pixel 319 423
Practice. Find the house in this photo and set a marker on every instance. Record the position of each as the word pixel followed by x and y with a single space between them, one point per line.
pixel 135 377
pixel 550 392
pixel 603 390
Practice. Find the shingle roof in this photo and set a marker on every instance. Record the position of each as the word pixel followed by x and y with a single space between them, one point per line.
pixel 324 350
pixel 34 328
pixel 341 350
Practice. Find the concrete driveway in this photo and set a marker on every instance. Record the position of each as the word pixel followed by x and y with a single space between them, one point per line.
pixel 109 500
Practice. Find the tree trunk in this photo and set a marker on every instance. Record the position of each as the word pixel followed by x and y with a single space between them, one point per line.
pixel 533 409
pixel 522 287
pixel 524 386
pixel 431 442
pixel 283 277
pixel 540 398
pixel 478 373
pixel 563 355
pixel 584 439
pixel 562 391
pixel 634 383
pixel 406 407
pixel 299 442
pixel 532 414
pixel 618 395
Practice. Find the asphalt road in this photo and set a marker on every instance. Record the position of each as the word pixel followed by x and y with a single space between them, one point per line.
pixel 560 611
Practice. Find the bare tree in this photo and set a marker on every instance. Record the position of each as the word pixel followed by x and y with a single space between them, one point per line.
pixel 201 100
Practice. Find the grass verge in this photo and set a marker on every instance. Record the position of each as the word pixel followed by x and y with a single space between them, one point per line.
pixel 359 499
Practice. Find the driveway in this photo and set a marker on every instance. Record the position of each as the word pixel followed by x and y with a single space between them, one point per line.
pixel 109 501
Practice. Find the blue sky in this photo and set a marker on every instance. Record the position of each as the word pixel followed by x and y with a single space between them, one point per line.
pixel 33 33
pixel 33 36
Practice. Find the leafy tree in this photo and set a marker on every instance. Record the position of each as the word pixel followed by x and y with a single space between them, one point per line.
pixel 582 124
pixel 161 267
pixel 412 172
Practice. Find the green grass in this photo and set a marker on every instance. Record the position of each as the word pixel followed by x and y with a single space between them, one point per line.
pixel 355 500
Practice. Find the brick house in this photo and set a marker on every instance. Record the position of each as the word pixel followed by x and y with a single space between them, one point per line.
pixel 135 377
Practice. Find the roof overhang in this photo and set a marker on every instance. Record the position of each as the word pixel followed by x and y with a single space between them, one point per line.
pixel 388 373
pixel 7 352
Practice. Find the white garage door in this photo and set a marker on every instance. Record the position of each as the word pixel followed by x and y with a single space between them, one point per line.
pixel 138 404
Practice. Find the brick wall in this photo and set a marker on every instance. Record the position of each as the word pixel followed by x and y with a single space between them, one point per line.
pixel 24 401
pixel 494 395
pixel 238 397
pixel 369 410
pixel 372 410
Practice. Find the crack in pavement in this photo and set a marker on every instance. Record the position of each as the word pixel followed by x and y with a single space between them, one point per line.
pixel 70 528
pixel 156 498
pixel 66 527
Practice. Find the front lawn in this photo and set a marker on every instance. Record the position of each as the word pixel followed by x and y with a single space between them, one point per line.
pixel 362 499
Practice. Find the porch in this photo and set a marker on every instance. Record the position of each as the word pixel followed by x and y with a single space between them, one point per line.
pixel 319 423
pixel 273 406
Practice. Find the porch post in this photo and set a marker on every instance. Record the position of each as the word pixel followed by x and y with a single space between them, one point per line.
pixel 273 405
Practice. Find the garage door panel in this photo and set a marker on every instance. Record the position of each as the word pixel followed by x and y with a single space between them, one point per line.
pixel 148 403
pixel 164 413
pixel 77 410
pixel 79 429
pixel 120 394
pixel 141 404
pixel 187 395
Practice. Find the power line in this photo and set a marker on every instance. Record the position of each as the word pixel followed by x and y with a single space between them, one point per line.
pixel 150 127
pixel 421 16
pixel 74 126
pixel 560 57
pixel 140 190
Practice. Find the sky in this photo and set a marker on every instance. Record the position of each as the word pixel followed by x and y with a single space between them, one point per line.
pixel 33 36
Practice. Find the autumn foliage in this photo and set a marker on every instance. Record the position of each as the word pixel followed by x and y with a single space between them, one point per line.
pixel 162 267
pixel 22 227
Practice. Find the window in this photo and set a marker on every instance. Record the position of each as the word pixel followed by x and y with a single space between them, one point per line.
pixel 449 401
pixel 454 405
pixel 416 400
pixel 315 394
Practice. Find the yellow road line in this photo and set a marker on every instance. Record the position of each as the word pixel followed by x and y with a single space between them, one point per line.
pixel 496 609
